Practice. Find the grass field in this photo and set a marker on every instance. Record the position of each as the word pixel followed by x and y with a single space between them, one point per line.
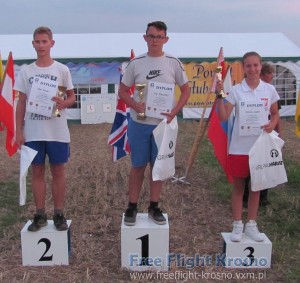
pixel 198 213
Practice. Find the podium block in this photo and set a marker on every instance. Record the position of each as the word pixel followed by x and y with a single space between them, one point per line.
pixel 145 246
pixel 247 253
pixel 46 246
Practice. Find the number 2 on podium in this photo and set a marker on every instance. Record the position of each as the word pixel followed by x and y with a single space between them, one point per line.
pixel 47 242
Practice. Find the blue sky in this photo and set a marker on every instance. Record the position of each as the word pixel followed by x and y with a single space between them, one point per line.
pixel 93 16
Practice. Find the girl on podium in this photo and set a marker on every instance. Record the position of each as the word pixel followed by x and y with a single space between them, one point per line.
pixel 251 89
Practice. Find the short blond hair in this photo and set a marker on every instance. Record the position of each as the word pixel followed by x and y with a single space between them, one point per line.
pixel 45 30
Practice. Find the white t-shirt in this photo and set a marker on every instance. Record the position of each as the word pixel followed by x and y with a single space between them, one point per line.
pixel 145 69
pixel 242 92
pixel 38 127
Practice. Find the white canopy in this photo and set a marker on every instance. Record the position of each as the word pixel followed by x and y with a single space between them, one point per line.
pixel 196 47
pixel 186 46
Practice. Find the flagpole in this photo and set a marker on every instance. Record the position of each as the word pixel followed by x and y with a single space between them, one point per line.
pixel 198 141
pixel 199 134
pixel 196 145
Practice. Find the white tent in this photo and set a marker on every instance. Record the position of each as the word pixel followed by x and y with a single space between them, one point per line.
pixel 189 47
pixel 186 46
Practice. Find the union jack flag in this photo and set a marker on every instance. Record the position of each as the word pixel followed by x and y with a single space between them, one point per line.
pixel 118 134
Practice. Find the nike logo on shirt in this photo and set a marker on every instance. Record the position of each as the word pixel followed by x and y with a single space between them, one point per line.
pixel 153 74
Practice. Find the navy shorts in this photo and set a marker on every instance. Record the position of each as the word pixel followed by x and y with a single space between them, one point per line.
pixel 142 144
pixel 57 152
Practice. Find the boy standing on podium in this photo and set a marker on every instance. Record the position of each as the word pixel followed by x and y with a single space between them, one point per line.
pixel 155 66
pixel 47 134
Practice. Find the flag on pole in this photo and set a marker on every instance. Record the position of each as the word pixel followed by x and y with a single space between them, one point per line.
pixel 219 133
pixel 297 116
pixel 200 133
pixel 118 135
pixel 7 113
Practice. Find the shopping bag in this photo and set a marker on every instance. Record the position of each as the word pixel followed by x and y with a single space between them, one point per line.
pixel 266 164
pixel 165 136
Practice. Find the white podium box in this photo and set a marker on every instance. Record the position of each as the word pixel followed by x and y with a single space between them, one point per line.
pixel 46 246
pixel 145 246
pixel 247 253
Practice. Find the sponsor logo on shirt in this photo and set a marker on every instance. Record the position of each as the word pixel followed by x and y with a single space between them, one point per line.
pixel 153 74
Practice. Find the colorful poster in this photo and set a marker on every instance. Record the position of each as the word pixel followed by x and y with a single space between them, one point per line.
pixel 201 78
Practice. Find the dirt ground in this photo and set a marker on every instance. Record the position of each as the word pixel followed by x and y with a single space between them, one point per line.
pixel 97 197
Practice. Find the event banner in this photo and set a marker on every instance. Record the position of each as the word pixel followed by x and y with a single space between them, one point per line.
pixel 201 77
pixel 95 73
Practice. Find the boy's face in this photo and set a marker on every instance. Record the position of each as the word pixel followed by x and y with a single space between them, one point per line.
pixel 42 44
pixel 155 38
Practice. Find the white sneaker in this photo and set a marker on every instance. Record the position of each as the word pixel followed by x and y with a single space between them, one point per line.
pixel 237 231
pixel 252 232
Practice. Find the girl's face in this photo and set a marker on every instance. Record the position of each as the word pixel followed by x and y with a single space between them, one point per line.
pixel 252 67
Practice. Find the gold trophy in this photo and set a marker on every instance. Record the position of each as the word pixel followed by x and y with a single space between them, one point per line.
pixel 60 93
pixel 218 72
pixel 140 88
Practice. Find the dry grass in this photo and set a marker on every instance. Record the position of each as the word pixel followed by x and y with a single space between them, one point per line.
pixel 97 197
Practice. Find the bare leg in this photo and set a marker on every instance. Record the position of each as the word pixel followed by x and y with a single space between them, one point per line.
pixel 39 185
pixel 58 185
pixel 155 188
pixel 237 198
pixel 136 179
pixel 253 203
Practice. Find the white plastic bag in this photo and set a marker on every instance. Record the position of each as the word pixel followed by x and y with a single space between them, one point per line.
pixel 27 154
pixel 165 136
pixel 266 164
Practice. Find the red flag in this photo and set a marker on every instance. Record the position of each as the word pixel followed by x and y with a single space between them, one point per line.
pixel 219 133
pixel 118 135
pixel 7 98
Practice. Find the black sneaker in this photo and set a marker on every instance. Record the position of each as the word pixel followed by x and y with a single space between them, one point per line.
pixel 130 216
pixel 156 215
pixel 38 222
pixel 60 222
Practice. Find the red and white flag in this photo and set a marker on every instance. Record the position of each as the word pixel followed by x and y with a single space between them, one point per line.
pixel 7 98
pixel 219 133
